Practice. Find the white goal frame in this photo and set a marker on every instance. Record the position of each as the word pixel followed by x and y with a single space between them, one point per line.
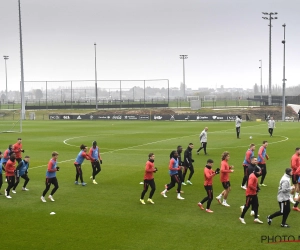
pixel 192 98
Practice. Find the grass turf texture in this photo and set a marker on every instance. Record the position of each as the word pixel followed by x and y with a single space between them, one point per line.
pixel 109 215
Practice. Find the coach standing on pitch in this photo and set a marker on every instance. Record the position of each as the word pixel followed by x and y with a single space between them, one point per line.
pixel 283 198
pixel 238 122
pixel 271 126
pixel 203 140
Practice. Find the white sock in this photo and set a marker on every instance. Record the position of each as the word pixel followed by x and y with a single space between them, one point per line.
pixel 296 195
pixel 224 201
pixel 178 194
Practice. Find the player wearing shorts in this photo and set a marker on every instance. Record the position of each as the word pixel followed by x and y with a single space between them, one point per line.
pixel 209 174
pixel 224 177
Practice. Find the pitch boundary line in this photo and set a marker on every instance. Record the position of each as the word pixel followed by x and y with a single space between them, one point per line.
pixel 150 143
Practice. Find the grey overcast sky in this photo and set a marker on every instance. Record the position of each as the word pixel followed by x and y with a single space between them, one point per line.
pixel 139 39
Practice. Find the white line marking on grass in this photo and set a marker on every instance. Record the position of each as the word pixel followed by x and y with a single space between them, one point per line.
pixel 65 141
pixel 57 162
pixel 150 143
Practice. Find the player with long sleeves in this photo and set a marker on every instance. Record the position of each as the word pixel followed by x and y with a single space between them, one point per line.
pixel 251 196
pixel 96 160
pixel 173 171
pixel 262 155
pixel 149 179
pixel 271 126
pixel 203 140
pixel 246 163
pixel 238 123
pixel 10 168
pixel 51 177
pixel 180 162
pixel 22 171
pixel 18 150
pixel 295 163
pixel 224 177
pixel 6 156
pixel 78 161
pixel 1 179
pixel 209 174
pixel 283 198
pixel 188 163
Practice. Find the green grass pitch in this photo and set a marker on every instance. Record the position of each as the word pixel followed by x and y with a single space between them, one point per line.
pixel 109 215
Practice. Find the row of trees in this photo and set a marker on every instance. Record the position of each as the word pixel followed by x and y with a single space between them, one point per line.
pixel 276 90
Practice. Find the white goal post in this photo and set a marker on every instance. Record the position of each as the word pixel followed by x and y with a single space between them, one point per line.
pixel 192 98
pixel 10 122
pixel 210 98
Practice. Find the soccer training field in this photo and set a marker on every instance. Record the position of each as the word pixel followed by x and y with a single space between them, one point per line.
pixel 110 216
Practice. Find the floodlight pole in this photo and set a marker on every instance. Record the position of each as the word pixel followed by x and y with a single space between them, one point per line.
pixel 96 87
pixel 6 58
pixel 22 68
pixel 283 84
pixel 260 79
pixel 270 50
pixel 183 57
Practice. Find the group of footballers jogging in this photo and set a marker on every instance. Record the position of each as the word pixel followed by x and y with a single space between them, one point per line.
pixel 254 167
pixel 15 167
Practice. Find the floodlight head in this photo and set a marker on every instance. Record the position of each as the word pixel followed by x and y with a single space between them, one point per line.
pixel 275 17
pixel 284 25
pixel 276 13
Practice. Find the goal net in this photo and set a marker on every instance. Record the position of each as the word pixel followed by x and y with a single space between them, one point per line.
pixel 210 98
pixel 192 98
pixel 10 121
